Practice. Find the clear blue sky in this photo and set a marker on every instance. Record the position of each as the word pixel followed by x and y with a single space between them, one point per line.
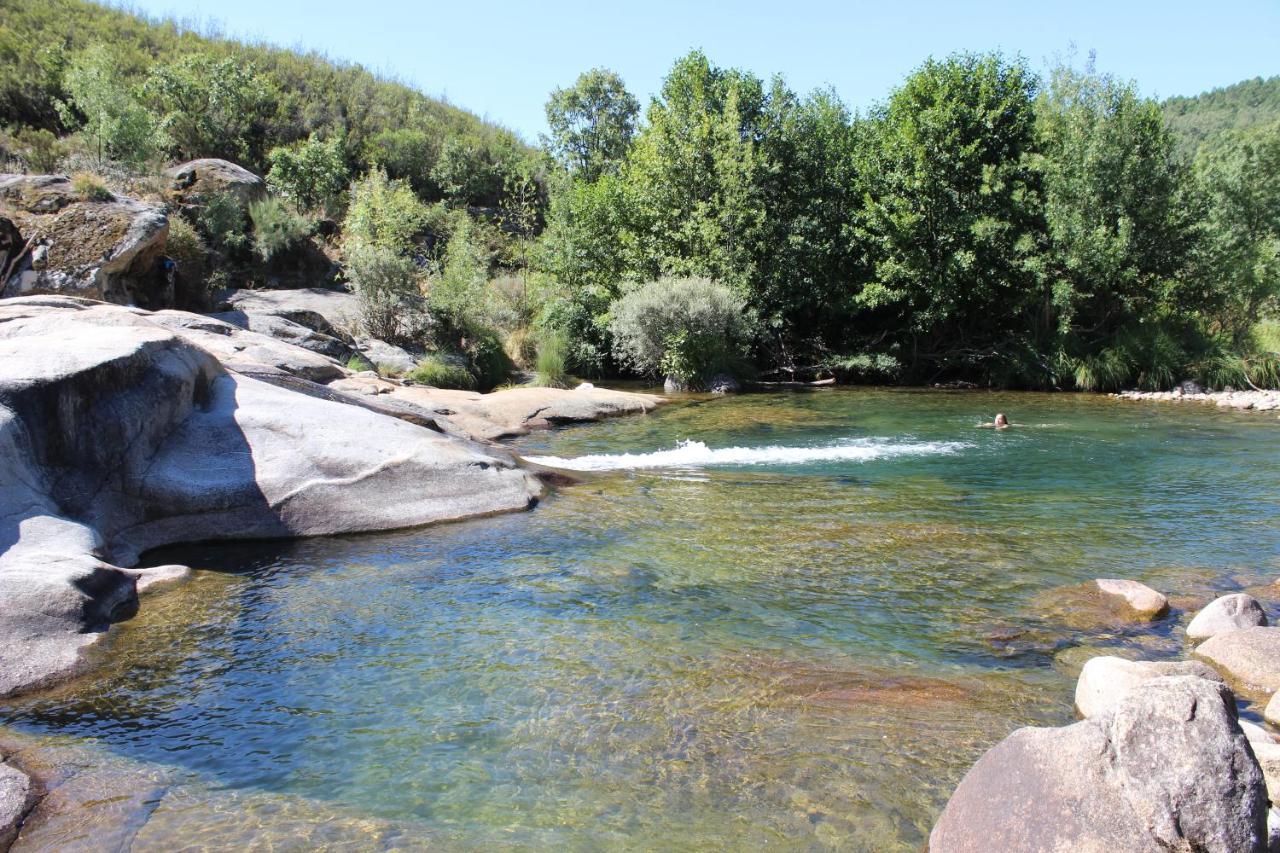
pixel 500 59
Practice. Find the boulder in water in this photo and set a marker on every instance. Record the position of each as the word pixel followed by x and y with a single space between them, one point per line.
pixel 1142 600
pixel 1106 680
pixel 1167 769
pixel 1249 657
pixel 1227 613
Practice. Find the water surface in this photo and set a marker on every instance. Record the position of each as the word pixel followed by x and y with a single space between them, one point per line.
pixel 788 619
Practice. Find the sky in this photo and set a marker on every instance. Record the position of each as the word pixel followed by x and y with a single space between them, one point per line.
pixel 501 59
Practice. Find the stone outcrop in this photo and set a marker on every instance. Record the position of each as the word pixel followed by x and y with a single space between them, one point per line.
pixel 1167 769
pixel 1256 401
pixel 1105 681
pixel 1250 658
pixel 501 414
pixel 106 249
pixel 120 433
pixel 1227 613
pixel 195 181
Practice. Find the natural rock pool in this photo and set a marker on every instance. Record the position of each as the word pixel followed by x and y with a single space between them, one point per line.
pixel 789 619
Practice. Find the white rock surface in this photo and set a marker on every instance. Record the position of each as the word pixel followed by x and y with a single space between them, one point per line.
pixel 1228 613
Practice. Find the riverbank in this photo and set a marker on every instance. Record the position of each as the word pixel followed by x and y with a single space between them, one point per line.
pixel 1254 401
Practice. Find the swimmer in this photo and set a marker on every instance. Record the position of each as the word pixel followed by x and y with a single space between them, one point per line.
pixel 1001 422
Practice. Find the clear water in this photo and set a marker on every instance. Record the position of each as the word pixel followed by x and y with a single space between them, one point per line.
pixel 789 619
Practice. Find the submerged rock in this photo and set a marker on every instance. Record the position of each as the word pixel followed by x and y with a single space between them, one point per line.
pixel 1228 613
pixel 1105 681
pixel 118 434
pixel 1167 769
pixel 1144 601
pixel 1249 657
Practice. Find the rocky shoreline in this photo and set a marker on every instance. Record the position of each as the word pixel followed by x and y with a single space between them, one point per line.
pixel 1160 759
pixel 1251 401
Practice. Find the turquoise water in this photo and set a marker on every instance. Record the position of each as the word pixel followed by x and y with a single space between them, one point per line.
pixel 788 619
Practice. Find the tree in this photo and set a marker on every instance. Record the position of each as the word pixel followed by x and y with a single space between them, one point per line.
pixel 592 124
pixel 97 90
pixel 1239 180
pixel 385 213
pixel 953 220
pixel 1116 216
pixel 210 106
pixel 312 174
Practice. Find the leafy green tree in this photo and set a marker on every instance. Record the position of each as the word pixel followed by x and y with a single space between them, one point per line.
pixel 410 154
pixel 1239 179
pixel 120 127
pixel 312 174
pixel 953 220
pixel 1115 211
pixel 592 124
pixel 211 106
pixel 385 213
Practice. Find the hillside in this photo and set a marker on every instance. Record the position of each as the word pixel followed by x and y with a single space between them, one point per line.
pixel 39 39
pixel 1241 106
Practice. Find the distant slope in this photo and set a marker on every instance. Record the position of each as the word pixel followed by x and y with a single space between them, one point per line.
pixel 1205 117
pixel 38 37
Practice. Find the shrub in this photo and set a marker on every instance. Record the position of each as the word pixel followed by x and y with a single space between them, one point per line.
pixel 440 372
pixel 387 284
pixel 39 149
pixel 359 364
pixel 521 347
pixel 221 219
pixel 553 349
pixel 312 173
pixel 489 360
pixel 686 328
pixel 277 227
pixel 90 187
pixel 383 213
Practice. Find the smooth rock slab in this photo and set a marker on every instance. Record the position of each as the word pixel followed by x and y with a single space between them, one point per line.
pixel 1105 681
pixel 1228 613
pixel 1169 769
pixel 16 798
pixel 1249 657
pixel 1144 601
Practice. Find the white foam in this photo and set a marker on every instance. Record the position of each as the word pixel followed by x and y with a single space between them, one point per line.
pixel 695 454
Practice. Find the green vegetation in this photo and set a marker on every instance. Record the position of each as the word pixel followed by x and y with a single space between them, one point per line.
pixel 89 186
pixel 985 223
pixel 1205 118
pixel 443 372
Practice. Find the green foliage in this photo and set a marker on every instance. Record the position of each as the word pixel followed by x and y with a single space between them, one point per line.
pixel 553 348
pixel 442 372
pixel 489 359
pixel 409 154
pixel 592 124
pixel 458 291
pixel 41 152
pixel 210 106
pixel 383 213
pixel 101 102
pixel 312 174
pixel 866 367
pixel 1206 118
pixel 277 226
pixel 686 328
pixel 221 220
pixel 185 248
pixel 90 187
pixel 389 290
pixel 359 364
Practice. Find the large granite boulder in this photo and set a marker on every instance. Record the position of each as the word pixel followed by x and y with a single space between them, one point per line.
pixel 235 345
pixel 118 435
pixel 1106 680
pixel 289 331
pixel 196 180
pixel 106 248
pixel 1227 613
pixel 1167 769
pixel 324 310
pixel 1250 658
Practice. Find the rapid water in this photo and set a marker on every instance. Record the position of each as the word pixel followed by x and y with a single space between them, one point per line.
pixel 790 620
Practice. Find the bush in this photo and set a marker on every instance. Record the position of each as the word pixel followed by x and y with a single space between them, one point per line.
pixel 40 150
pixel 866 367
pixel 688 329
pixel 359 364
pixel 90 187
pixel 277 227
pixel 387 284
pixel 440 372
pixel 383 213
pixel 488 358
pixel 313 173
pixel 553 350
pixel 221 219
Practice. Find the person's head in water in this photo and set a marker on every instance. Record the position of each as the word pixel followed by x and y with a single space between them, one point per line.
pixel 1001 420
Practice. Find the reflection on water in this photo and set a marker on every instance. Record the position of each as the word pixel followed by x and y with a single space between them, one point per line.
pixel 805 651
